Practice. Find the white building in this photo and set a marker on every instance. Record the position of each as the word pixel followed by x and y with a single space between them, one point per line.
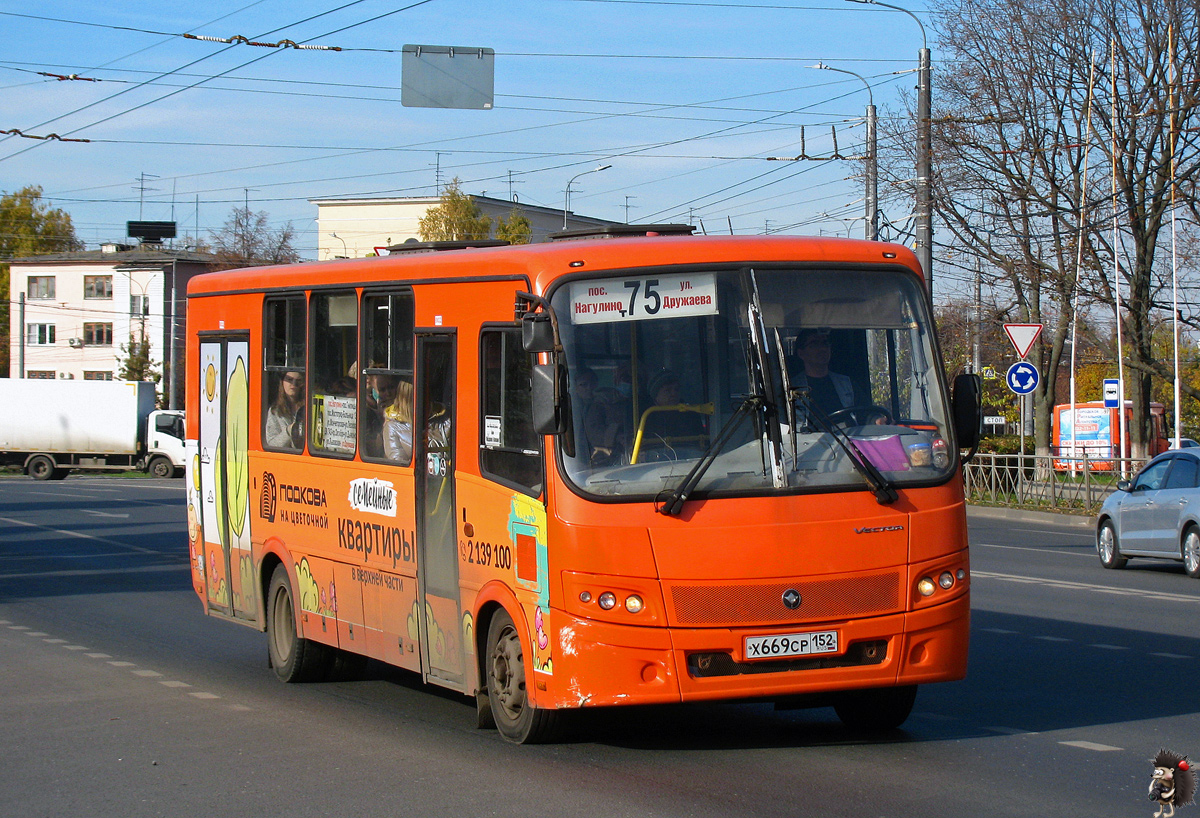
pixel 71 312
pixel 354 228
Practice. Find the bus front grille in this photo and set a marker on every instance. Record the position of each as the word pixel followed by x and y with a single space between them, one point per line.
pixel 749 604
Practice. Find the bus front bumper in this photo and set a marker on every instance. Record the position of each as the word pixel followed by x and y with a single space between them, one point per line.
pixel 601 664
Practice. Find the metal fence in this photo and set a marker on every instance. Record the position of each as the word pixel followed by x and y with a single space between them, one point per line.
pixel 1077 485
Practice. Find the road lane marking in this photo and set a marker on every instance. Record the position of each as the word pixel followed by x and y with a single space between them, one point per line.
pixel 1011 731
pixel 141 672
pixel 997 630
pixel 77 534
pixel 1158 596
pixel 1102 646
pixel 1053 638
pixel 104 513
pixel 1089 552
pixel 1171 655
pixel 1091 745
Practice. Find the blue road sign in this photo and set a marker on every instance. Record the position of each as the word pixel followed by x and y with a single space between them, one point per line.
pixel 1112 393
pixel 1022 377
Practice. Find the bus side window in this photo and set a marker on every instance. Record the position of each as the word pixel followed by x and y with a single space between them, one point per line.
pixel 333 375
pixel 510 452
pixel 283 373
pixel 386 399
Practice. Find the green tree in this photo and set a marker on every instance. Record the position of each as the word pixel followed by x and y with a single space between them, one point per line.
pixel 28 227
pixel 515 228
pixel 246 240
pixel 455 218
pixel 135 362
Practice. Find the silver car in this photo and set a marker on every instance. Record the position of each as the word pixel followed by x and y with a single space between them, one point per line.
pixel 1155 515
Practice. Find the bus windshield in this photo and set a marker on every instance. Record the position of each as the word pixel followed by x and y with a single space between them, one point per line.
pixel 772 380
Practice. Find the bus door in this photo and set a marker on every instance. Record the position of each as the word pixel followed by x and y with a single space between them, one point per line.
pixel 225 475
pixel 440 619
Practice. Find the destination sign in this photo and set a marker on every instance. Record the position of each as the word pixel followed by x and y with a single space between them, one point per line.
pixel 639 298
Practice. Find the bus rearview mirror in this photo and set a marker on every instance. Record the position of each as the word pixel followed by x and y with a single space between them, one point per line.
pixel 548 413
pixel 965 398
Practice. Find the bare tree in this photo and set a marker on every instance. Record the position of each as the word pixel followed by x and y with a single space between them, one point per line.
pixel 246 240
pixel 1022 152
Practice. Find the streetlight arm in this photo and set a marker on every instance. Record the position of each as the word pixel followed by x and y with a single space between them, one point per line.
pixel 924 40
pixel 567 194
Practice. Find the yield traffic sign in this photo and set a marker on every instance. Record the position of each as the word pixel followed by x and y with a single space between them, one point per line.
pixel 1023 336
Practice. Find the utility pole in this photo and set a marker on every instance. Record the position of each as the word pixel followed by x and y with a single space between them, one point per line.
pixel 871 231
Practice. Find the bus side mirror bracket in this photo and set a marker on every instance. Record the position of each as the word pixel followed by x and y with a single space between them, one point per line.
pixel 967 408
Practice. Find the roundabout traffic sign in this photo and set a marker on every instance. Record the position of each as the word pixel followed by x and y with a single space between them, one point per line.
pixel 1022 377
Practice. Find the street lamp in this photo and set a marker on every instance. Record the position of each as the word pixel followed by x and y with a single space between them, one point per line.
pixel 567 198
pixel 924 149
pixel 872 225
pixel 345 250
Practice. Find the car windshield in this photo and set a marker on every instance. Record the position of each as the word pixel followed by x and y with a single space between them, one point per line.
pixel 770 379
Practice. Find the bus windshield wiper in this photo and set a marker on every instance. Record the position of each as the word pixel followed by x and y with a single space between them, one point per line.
pixel 678 496
pixel 885 493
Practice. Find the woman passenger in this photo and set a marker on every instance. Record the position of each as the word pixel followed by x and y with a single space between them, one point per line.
pixel 397 425
pixel 285 418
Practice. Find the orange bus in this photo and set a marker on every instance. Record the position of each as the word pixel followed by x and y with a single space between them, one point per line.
pixel 589 472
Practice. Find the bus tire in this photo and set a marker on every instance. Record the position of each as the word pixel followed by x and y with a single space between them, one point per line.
pixel 1108 548
pixel 40 467
pixel 517 720
pixel 876 709
pixel 293 658
pixel 1191 552
pixel 161 467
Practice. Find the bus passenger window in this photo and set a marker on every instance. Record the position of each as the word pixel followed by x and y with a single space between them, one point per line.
pixel 284 374
pixel 510 452
pixel 386 400
pixel 333 375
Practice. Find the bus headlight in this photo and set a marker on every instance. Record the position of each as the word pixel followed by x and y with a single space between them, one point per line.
pixel 607 601
pixel 946 580
pixel 926 587
pixel 633 603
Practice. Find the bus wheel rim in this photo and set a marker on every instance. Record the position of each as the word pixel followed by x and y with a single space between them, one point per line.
pixel 508 673
pixel 281 630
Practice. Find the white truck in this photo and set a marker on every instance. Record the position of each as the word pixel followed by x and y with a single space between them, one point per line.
pixel 50 427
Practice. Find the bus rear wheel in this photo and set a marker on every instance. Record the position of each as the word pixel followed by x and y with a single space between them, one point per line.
pixel 877 709
pixel 516 719
pixel 293 658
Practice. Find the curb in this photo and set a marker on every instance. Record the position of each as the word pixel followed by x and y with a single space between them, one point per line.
pixel 1021 515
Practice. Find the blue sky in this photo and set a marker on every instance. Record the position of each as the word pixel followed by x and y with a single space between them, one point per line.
pixel 684 99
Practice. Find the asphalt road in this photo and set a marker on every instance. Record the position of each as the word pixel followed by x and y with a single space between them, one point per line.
pixel 121 699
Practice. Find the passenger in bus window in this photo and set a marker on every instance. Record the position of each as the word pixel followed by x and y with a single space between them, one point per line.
pixel 285 418
pixel 830 391
pixel 664 391
pixel 397 425
pixel 379 392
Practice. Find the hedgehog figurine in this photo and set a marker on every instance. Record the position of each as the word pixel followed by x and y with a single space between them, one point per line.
pixel 1173 783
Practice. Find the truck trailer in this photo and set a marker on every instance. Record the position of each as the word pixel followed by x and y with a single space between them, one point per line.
pixel 50 427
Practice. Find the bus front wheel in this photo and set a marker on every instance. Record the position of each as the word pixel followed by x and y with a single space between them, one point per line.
pixel 516 719
pixel 877 709
pixel 293 658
